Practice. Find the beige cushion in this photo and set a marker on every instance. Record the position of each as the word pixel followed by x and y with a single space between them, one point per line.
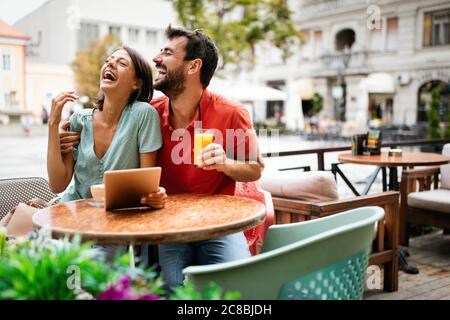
pixel 294 184
pixel 20 223
pixel 436 200
pixel 445 169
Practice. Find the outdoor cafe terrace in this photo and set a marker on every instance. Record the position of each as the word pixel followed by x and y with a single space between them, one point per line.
pixel 315 208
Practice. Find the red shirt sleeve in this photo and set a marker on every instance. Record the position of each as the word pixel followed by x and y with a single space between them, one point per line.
pixel 245 140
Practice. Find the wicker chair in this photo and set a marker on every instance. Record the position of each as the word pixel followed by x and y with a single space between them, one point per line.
pixel 17 190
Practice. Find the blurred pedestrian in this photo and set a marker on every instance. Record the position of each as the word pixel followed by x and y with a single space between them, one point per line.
pixel 44 115
pixel 26 124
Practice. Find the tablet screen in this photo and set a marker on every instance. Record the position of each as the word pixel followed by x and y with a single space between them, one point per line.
pixel 125 188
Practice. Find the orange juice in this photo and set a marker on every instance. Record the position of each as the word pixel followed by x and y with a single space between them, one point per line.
pixel 201 140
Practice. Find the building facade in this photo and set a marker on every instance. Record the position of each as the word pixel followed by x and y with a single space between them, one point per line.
pixel 12 72
pixel 61 28
pixel 44 82
pixel 370 61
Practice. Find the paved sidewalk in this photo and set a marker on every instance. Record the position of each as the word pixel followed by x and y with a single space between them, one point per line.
pixel 431 254
pixel 22 156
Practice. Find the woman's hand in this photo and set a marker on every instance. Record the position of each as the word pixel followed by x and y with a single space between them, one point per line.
pixel 156 200
pixel 58 104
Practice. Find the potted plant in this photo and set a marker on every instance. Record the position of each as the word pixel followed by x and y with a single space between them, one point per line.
pixel 434 131
pixel 44 269
pixel 447 127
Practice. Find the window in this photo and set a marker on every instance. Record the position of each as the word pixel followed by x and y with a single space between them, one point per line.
pixel 151 37
pixel 318 43
pixel 115 31
pixel 436 28
pixel 8 100
pixel 392 34
pixel 376 39
pixel 307 45
pixel 345 38
pixel 87 34
pixel 133 35
pixel 6 62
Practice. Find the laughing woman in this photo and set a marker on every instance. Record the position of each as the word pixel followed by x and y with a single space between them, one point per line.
pixel 122 131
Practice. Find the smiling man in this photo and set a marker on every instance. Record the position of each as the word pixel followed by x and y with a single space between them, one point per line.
pixel 185 66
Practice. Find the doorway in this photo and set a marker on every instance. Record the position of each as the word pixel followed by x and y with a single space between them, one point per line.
pixel 381 109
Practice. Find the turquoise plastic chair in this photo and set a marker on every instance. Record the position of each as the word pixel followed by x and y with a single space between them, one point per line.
pixel 321 259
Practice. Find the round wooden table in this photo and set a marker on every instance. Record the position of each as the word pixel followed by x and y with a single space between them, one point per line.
pixel 407 160
pixel 185 218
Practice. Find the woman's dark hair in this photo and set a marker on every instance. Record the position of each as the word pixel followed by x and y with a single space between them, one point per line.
pixel 199 46
pixel 143 75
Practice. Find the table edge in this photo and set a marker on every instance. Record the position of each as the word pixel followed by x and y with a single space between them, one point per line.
pixel 155 238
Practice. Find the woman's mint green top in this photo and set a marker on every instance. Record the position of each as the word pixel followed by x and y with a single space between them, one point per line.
pixel 138 131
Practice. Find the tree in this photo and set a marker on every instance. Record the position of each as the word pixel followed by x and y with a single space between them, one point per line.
pixel 237 26
pixel 447 126
pixel 317 103
pixel 88 63
pixel 433 116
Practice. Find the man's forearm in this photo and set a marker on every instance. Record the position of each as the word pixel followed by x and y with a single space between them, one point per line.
pixel 243 172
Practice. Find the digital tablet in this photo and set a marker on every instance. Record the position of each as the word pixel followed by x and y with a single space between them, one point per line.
pixel 124 188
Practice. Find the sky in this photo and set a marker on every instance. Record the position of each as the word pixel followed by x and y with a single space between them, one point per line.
pixel 13 10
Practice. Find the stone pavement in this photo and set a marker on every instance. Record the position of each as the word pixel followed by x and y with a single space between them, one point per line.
pixel 22 156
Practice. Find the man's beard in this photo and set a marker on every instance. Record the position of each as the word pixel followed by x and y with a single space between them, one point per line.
pixel 173 83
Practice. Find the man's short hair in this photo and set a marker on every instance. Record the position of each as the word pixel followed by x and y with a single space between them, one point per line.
pixel 199 46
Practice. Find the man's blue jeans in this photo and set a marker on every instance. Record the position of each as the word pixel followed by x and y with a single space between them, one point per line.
pixel 173 258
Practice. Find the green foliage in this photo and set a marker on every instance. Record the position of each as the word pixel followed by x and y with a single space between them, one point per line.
pixel 446 133
pixel 317 103
pixel 433 116
pixel 87 66
pixel 237 26
pixel 269 127
pixel 40 269
pixel 211 292
pixel 43 269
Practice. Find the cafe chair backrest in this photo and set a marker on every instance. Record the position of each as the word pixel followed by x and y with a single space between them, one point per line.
pixel 255 236
pixel 20 190
pixel 320 259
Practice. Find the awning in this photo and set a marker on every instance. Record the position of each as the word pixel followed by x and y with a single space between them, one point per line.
pixel 380 83
pixel 306 88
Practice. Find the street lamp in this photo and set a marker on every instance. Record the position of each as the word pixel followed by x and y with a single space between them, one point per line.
pixel 346 56
pixel 340 90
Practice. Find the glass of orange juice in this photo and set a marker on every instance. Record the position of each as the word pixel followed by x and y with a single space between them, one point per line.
pixel 202 138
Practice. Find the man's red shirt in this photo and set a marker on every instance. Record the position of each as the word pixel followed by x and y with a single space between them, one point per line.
pixel 218 113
